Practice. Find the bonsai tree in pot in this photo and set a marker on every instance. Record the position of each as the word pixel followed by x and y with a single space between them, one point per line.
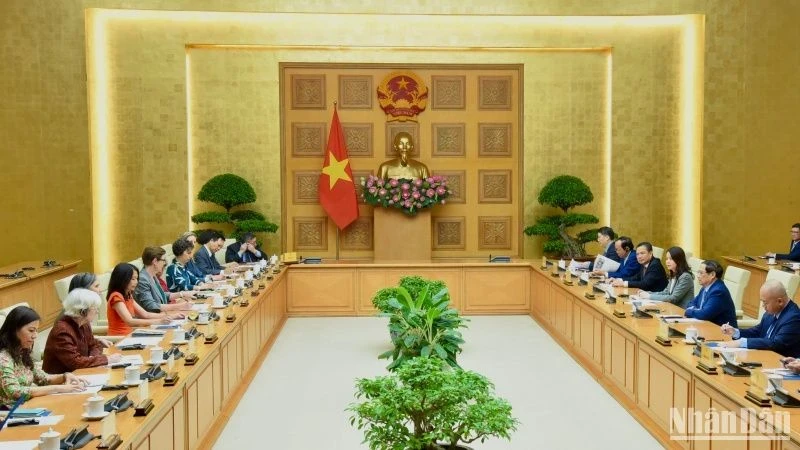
pixel 229 191
pixel 421 322
pixel 564 192
pixel 427 405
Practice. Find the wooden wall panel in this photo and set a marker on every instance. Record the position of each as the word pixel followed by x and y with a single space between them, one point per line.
pixel 485 135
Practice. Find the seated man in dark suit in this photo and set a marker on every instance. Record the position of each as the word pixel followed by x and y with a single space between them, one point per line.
pixel 605 237
pixel 651 277
pixel 714 302
pixel 779 329
pixel 210 242
pixel 794 246
pixel 244 251
pixel 629 265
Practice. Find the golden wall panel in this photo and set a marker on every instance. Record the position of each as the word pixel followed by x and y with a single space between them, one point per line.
pixel 448 139
pixel 448 92
pixel 358 139
pixel 355 91
pixel 748 113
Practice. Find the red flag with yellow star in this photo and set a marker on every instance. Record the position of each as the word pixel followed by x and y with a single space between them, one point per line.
pixel 337 192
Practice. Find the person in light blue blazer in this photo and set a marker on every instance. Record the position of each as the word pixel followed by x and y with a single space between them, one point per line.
pixel 779 329
pixel 714 302
pixel 629 266
pixel 680 287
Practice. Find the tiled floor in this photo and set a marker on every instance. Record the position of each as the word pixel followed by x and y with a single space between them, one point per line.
pixel 298 398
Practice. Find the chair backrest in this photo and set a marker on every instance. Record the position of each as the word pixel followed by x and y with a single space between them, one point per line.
pixel 694 264
pixel 4 312
pixel 168 255
pixel 220 255
pixel 137 262
pixel 102 312
pixel 789 280
pixel 658 252
pixel 736 280
pixel 62 287
pixel 41 338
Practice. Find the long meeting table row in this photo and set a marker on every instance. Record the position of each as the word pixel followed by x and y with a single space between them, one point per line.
pixel 191 413
pixel 661 386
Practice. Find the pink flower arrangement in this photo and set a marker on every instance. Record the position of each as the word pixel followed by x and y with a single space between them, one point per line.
pixel 407 195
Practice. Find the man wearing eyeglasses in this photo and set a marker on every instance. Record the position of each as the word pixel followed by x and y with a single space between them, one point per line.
pixel 794 247
pixel 714 302
pixel 779 329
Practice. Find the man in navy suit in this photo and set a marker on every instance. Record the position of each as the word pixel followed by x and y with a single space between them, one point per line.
pixel 244 251
pixel 794 246
pixel 714 302
pixel 629 265
pixel 605 237
pixel 651 277
pixel 210 242
pixel 779 329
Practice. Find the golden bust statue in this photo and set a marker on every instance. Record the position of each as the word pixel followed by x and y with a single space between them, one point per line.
pixel 403 167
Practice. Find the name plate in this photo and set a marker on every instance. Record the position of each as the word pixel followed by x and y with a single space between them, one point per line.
pixel 663 334
pixel 706 363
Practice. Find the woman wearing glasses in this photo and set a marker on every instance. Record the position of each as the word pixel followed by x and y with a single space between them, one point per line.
pixel 71 344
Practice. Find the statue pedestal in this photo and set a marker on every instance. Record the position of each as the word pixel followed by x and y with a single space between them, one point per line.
pixel 398 237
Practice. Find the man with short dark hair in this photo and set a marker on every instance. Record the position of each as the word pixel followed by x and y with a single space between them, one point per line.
pixel 651 277
pixel 714 302
pixel 210 242
pixel 794 246
pixel 245 250
pixel 779 329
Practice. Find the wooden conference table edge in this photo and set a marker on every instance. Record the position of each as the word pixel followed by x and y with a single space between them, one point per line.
pixel 31 275
pixel 731 388
pixel 135 431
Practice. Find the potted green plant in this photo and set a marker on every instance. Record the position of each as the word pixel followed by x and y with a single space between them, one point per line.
pixel 427 405
pixel 422 323
pixel 229 191
pixel 564 192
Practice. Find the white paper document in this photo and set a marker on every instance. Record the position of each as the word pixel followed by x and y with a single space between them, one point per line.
pixel 146 341
pixel 149 332
pixel 19 445
pixel 605 264
pixel 200 307
pixel 96 379
pixel 683 320
pixel 134 360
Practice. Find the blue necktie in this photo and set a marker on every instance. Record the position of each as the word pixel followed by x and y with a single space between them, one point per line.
pixel 771 328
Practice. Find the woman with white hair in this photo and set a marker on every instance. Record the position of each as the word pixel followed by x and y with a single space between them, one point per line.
pixel 71 344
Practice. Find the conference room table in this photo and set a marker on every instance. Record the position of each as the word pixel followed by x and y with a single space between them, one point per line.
pixel 193 412
pixel 758 275
pixel 654 382
pixel 35 287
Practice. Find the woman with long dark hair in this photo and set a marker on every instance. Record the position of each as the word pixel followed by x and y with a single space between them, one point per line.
pixel 123 312
pixel 680 286
pixel 18 376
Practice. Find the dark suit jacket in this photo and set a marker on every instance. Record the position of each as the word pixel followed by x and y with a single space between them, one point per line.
pixel 628 267
pixel 650 278
pixel 785 337
pixel 206 263
pixel 717 307
pixel 794 253
pixel 232 254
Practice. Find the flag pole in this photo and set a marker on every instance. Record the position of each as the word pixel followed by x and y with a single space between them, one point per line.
pixel 337 227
